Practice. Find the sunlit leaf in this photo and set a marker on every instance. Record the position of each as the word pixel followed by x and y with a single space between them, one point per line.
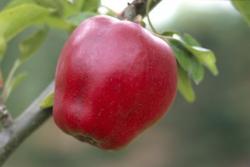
pixel 48 101
pixel 32 43
pixel 59 23
pixel 53 4
pixel 185 85
pixel 79 6
pixel 91 6
pixel 203 55
pixel 169 33
pixel 72 8
pixel 15 3
pixel 191 59
pixel 190 40
pixel 189 63
pixel 16 19
pixel 206 57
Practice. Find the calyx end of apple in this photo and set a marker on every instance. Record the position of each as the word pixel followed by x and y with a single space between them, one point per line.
pixel 86 138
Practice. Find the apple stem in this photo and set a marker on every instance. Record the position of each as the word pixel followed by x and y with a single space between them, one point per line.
pixel 149 2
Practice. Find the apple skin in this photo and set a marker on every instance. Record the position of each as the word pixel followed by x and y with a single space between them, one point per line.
pixel 113 80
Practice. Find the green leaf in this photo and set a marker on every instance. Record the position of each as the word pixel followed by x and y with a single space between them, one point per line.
pixel 169 33
pixel 243 6
pixel 48 101
pixel 206 57
pixel 32 43
pixel 16 19
pixel 203 55
pixel 190 40
pixel 191 59
pixel 15 3
pixel 198 73
pixel 91 6
pixel 78 6
pixel 188 63
pixel 185 86
pixel 53 4
pixel 77 19
pixel 59 23
pixel 3 46
pixel 14 83
pixel 72 8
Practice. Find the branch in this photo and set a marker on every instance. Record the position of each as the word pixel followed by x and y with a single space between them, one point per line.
pixel 12 136
pixel 137 7
pixel 5 117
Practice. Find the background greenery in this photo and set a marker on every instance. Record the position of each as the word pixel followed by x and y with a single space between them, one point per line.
pixel 214 131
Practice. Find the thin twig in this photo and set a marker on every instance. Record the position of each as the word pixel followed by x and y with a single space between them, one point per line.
pixel 6 119
pixel 149 2
pixel 6 89
pixel 137 7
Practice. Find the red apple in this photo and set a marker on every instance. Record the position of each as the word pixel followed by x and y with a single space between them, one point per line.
pixel 114 79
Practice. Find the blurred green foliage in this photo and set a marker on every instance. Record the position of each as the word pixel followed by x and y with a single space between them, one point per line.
pixel 212 132
pixel 244 8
